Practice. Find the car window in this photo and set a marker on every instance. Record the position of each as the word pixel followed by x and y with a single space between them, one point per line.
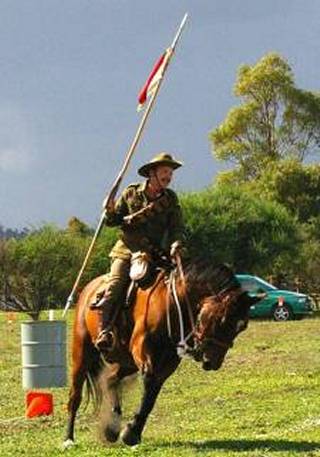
pixel 265 285
pixel 252 286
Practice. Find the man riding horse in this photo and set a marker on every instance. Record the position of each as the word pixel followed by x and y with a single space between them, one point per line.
pixel 200 308
pixel 150 219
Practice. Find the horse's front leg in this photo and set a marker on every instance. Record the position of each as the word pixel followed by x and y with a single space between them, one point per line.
pixel 152 383
pixel 111 428
pixel 131 435
pixel 138 347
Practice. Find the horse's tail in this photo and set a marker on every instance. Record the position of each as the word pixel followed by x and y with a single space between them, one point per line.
pixel 88 363
pixel 95 368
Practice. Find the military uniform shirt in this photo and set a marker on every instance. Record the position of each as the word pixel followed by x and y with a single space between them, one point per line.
pixel 157 229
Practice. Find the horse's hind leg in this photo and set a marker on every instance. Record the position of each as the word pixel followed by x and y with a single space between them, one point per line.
pixel 112 426
pixel 85 360
pixel 75 396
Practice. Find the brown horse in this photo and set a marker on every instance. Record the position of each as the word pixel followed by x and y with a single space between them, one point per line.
pixel 199 312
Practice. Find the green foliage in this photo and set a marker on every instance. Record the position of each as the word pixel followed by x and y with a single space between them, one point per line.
pixel 38 271
pixel 77 227
pixel 230 225
pixel 40 268
pixel 100 261
pixel 294 185
pixel 308 273
pixel 275 120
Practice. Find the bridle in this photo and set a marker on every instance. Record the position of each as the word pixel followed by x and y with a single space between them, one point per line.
pixel 214 341
pixel 199 341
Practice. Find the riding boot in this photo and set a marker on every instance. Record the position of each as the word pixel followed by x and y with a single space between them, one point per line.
pixel 105 339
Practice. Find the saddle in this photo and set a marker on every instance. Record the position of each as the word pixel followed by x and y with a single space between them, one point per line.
pixel 144 272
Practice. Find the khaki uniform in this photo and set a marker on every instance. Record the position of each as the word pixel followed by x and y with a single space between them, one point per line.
pixel 154 228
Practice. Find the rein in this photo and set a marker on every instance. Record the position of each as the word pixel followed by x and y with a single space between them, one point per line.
pixel 183 348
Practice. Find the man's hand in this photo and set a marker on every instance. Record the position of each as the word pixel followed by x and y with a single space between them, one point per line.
pixel 128 219
pixel 109 205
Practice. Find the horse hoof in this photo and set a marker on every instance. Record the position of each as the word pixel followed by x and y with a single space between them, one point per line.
pixel 129 437
pixel 111 435
pixel 67 444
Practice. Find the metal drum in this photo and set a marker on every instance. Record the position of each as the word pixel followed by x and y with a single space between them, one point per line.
pixel 43 346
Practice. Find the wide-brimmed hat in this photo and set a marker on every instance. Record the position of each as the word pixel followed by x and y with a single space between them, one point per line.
pixel 162 158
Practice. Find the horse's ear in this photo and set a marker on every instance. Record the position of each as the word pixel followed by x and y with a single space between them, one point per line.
pixel 256 299
pixel 249 300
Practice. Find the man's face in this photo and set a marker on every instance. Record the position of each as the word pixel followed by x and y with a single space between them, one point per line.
pixel 161 176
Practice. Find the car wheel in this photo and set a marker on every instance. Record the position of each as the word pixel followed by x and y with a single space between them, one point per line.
pixel 282 313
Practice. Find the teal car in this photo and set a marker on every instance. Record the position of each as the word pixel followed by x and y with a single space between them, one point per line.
pixel 281 305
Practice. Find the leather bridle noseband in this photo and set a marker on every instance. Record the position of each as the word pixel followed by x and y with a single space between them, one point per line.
pixel 214 341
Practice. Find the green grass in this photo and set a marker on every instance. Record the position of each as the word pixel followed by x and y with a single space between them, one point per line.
pixel 264 401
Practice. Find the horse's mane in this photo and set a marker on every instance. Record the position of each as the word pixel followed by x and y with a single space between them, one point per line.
pixel 207 276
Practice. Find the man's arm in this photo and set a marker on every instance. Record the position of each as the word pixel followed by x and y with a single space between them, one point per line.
pixel 116 211
pixel 176 223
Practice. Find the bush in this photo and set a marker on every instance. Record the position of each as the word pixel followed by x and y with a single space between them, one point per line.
pixel 229 225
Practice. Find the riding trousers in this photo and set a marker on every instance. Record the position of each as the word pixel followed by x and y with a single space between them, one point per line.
pixel 118 280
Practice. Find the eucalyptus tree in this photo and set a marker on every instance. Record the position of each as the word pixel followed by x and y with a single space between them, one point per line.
pixel 274 120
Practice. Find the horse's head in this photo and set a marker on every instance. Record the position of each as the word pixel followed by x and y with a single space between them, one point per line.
pixel 220 320
pixel 222 312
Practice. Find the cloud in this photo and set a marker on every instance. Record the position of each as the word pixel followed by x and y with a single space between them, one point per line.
pixel 17 151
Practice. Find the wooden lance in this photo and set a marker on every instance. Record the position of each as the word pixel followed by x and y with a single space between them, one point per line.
pixel 115 187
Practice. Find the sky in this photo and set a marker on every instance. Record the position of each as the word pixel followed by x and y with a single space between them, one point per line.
pixel 71 71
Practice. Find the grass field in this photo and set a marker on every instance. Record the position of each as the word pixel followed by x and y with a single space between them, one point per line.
pixel 264 401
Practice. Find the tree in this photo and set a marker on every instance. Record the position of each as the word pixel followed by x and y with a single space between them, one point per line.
pixel 38 270
pixel 275 120
pixel 77 227
pixel 293 185
pixel 230 225
pixel 100 260
pixel 309 273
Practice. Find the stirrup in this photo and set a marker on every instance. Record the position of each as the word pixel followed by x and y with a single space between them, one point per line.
pixel 105 340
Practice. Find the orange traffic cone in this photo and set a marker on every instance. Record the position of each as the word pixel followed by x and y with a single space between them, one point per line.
pixel 39 404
